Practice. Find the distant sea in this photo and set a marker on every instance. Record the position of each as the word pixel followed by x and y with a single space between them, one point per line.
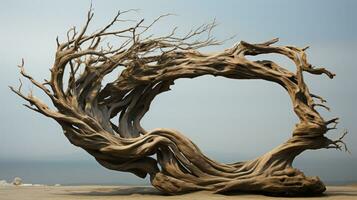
pixel 89 172
pixel 66 173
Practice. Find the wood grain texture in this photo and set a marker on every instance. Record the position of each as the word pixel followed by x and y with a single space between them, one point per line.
pixel 86 109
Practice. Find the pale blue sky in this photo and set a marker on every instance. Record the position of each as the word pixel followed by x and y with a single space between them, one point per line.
pixel 230 120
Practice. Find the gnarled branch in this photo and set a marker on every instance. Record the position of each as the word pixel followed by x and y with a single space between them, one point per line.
pixel 85 107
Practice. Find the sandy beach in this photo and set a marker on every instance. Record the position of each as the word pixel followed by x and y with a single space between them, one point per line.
pixel 143 192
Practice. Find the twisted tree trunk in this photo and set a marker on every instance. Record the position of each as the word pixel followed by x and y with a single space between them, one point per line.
pixel 85 109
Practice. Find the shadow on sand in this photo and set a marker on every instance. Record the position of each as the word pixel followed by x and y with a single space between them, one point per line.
pixel 341 193
pixel 141 190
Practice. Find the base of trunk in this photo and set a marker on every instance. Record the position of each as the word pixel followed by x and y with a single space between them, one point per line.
pixel 289 182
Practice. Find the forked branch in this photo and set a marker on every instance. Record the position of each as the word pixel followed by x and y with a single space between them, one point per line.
pixel 86 109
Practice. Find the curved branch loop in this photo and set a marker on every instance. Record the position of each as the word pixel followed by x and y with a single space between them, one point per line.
pixel 149 66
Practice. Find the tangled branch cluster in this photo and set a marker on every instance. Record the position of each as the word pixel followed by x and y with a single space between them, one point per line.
pixel 86 109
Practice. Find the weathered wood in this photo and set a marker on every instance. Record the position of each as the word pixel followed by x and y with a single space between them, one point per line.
pixel 84 108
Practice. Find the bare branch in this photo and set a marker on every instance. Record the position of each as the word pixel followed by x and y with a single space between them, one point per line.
pixel 339 143
pixel 149 66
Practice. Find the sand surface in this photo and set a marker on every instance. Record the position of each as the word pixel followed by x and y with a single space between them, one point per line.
pixel 149 193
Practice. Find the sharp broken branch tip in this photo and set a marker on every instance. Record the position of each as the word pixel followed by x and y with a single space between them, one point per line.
pixel 334 120
pixel 321 105
pixel 339 142
pixel 305 48
pixel 322 100
pixel 275 40
pixel 20 86
pixel 57 42
pixel 22 63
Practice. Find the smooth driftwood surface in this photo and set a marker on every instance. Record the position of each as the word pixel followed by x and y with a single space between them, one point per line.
pixel 86 109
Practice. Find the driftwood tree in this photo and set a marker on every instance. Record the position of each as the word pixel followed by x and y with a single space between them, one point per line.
pixel 86 109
